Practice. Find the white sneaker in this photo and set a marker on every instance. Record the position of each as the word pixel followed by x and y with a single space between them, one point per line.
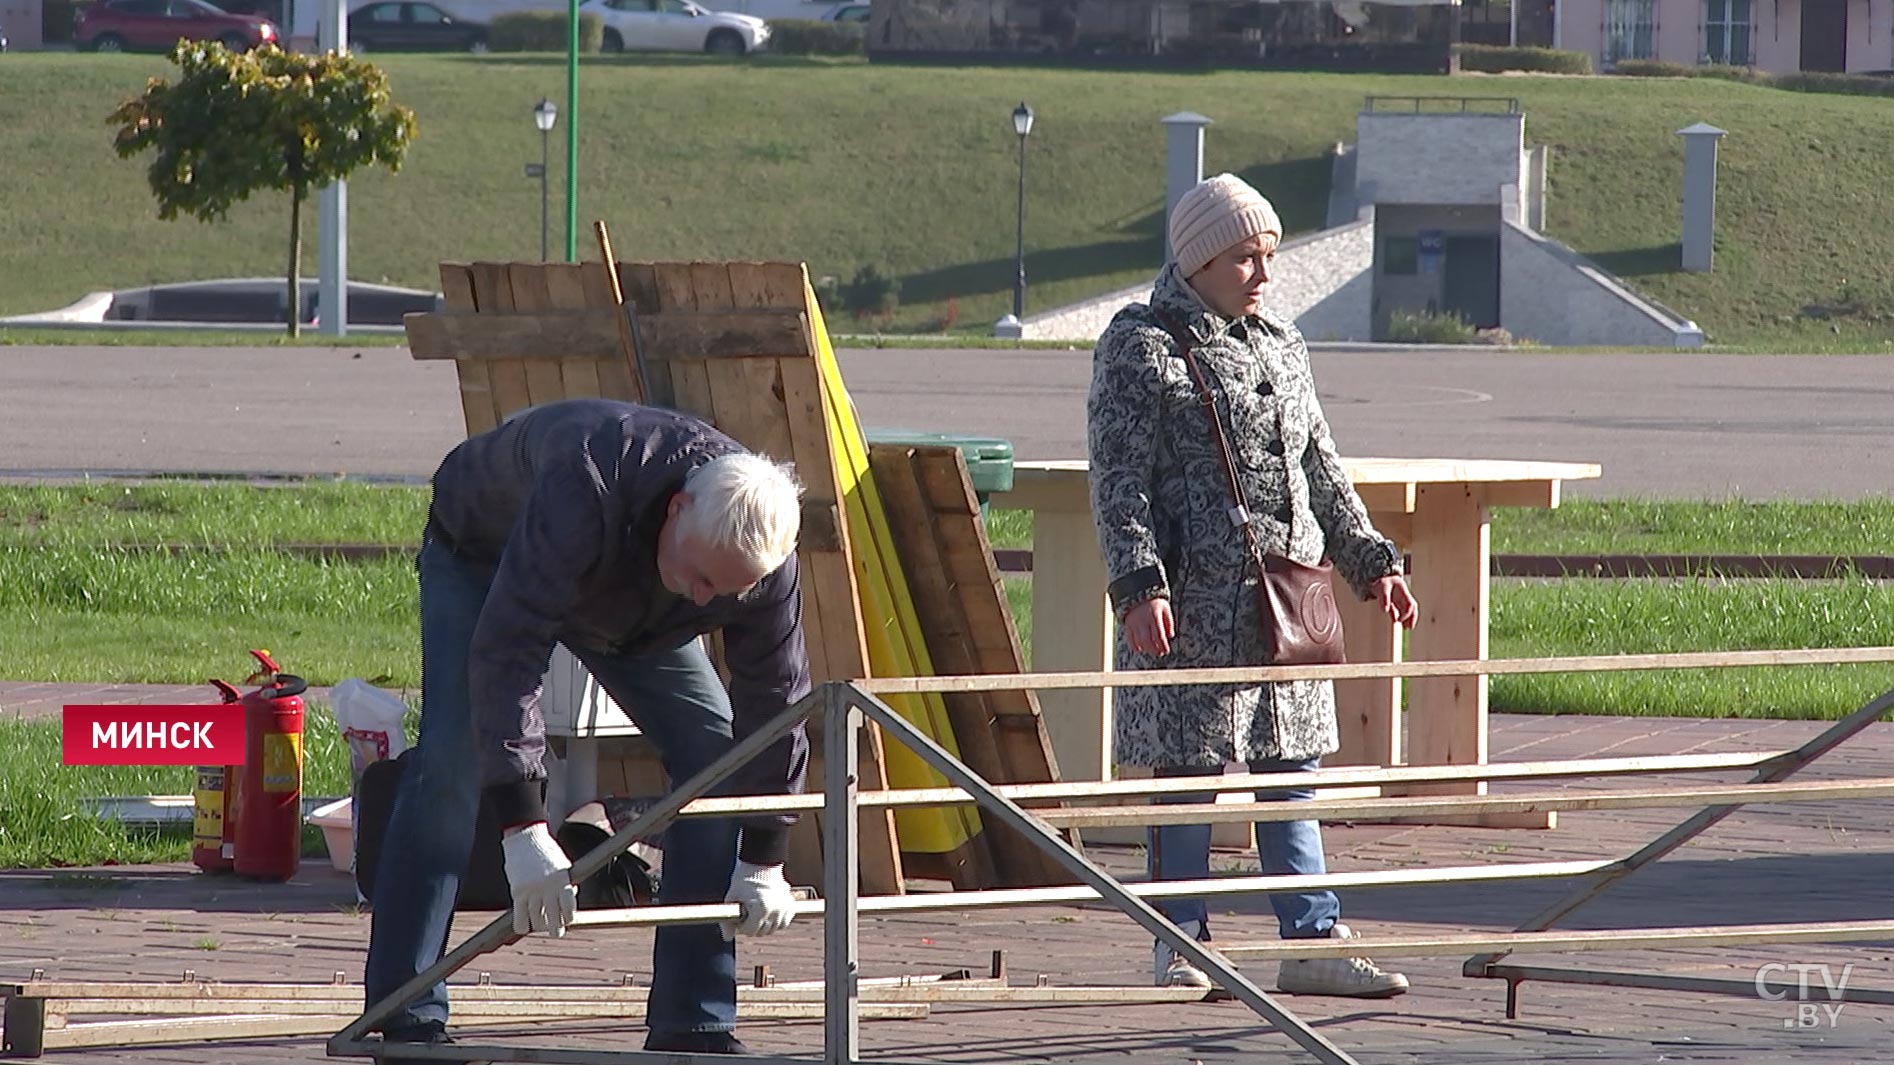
pixel 1171 969
pixel 1344 977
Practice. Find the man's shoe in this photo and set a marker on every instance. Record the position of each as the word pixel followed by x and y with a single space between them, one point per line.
pixel 696 1043
pixel 1344 977
pixel 427 1033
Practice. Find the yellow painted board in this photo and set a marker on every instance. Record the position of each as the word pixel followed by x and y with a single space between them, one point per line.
pixel 896 646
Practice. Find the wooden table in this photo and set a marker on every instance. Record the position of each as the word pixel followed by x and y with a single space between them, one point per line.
pixel 1435 509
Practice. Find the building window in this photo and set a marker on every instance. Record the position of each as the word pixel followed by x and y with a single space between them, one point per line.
pixel 1728 29
pixel 1630 29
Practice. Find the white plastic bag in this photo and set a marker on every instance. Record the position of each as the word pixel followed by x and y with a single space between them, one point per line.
pixel 370 720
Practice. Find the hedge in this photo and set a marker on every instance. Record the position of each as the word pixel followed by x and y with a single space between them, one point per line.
pixel 1804 81
pixel 798 36
pixel 1492 59
pixel 542 31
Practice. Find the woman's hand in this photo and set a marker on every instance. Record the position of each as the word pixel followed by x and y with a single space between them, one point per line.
pixel 1393 595
pixel 1150 627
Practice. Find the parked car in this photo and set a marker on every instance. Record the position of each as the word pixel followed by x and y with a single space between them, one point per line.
pixel 404 26
pixel 676 26
pixel 847 13
pixel 3 38
pixel 125 25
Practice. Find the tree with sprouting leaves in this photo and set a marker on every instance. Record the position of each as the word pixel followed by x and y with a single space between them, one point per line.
pixel 235 123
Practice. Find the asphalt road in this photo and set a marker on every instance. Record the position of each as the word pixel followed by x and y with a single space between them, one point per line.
pixel 1672 425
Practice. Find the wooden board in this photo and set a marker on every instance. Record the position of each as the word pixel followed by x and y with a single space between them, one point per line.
pixel 731 343
pixel 944 551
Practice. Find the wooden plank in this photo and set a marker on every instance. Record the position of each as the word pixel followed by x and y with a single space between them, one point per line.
pixel 690 383
pixel 1024 749
pixel 1428 806
pixel 544 381
pixel 566 291
pixel 593 334
pixel 476 386
pixel 1541 494
pixel 1321 779
pixel 493 293
pixel 615 377
pixel 1466 667
pixel 760 381
pixel 1603 939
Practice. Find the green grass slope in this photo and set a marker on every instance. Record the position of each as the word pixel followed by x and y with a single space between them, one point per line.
pixel 843 164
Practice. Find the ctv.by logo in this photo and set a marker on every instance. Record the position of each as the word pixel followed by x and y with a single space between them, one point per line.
pixel 1807 1014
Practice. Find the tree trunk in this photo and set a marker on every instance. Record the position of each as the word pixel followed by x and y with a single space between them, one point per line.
pixel 295 258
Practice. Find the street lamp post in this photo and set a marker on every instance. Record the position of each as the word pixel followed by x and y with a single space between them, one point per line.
pixel 544 116
pixel 1022 125
pixel 1010 326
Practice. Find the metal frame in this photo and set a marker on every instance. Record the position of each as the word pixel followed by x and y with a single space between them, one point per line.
pixel 846 999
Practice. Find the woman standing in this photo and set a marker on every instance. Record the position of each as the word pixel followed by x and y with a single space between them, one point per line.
pixel 1182 580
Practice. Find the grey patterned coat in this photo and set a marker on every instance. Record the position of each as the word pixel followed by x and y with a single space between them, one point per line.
pixel 1160 499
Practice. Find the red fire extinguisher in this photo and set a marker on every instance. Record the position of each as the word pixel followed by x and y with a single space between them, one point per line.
pixel 214 808
pixel 268 799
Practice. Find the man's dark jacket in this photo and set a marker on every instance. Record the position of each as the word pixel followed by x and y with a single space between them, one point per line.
pixel 566 501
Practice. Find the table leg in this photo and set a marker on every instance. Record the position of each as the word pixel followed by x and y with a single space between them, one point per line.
pixel 1367 711
pixel 1072 631
pixel 1447 716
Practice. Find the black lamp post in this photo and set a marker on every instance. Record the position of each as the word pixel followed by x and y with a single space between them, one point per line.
pixel 1022 125
pixel 544 116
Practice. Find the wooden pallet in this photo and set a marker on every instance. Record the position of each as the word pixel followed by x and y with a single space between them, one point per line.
pixel 958 595
pixel 730 342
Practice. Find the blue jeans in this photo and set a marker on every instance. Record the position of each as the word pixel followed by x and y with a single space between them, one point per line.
pixel 1182 852
pixel 674 696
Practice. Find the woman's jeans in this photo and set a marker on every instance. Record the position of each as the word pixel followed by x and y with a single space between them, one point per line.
pixel 678 702
pixel 1182 852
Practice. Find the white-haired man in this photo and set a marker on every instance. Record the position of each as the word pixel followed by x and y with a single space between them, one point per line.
pixel 624 532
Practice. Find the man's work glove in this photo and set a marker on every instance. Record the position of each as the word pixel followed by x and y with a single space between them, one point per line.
pixel 544 898
pixel 764 897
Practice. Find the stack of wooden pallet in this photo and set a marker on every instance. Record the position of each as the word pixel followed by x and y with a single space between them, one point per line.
pixel 898 577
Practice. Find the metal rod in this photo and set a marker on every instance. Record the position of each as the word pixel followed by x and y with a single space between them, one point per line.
pixel 841 880
pixel 1751 988
pixel 499 931
pixel 629 335
pixel 1466 667
pixel 1343 776
pixel 1775 770
pixel 1000 898
pixel 1453 805
pixel 1019 254
pixel 1009 813
pixel 1607 939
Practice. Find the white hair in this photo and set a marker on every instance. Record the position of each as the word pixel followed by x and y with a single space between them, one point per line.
pixel 747 504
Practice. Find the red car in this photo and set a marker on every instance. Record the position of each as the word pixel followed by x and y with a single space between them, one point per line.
pixel 157 25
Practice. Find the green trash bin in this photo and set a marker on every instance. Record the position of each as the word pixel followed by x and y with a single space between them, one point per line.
pixel 989 461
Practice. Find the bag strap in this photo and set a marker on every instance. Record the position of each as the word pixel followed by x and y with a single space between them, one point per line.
pixel 1239 511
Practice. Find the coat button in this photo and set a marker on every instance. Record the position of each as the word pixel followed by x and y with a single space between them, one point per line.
pixel 1264 389
pixel 1274 447
pixel 1283 514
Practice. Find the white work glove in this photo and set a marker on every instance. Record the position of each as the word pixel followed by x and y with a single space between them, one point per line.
pixel 767 903
pixel 544 899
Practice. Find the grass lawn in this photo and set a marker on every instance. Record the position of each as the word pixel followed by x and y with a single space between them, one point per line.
pixel 844 164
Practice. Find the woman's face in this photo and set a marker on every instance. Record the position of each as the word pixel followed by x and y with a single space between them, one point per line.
pixel 1232 283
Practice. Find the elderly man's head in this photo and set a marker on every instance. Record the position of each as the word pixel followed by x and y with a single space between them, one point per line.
pixel 734 523
pixel 1223 238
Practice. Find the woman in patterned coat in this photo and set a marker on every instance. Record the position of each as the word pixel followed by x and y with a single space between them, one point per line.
pixel 1181 582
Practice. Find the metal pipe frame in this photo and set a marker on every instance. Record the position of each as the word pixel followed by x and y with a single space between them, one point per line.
pixel 846 708
pixel 1775 770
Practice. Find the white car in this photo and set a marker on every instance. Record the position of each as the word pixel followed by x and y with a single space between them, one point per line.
pixel 676 26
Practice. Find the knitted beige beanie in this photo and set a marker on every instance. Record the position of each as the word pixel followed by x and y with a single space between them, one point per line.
pixel 1218 213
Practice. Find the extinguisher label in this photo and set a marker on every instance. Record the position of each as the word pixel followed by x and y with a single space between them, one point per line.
pixel 152 735
pixel 283 761
pixel 207 822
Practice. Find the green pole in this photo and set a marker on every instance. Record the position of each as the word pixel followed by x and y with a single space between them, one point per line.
pixel 572 131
